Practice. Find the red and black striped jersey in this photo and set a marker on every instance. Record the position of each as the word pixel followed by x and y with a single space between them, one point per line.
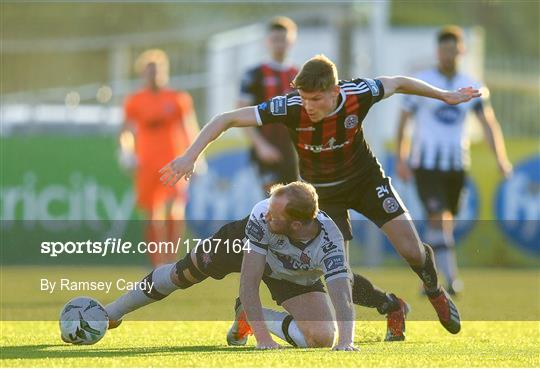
pixel 262 83
pixel 266 81
pixel 333 149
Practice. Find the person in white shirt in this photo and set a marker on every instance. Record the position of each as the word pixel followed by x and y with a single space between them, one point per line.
pixel 288 244
pixel 438 158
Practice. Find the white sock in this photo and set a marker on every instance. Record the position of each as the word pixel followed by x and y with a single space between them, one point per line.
pixel 434 237
pixel 136 299
pixel 445 258
pixel 274 322
pixel 161 277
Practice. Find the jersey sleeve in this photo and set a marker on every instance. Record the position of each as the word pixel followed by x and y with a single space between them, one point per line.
pixel 279 109
pixel 333 260
pixel 372 91
pixel 256 230
pixel 185 103
pixel 248 86
pixel 130 112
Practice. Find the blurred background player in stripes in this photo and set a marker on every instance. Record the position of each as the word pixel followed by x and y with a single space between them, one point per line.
pixel 272 152
pixel 159 123
pixel 439 155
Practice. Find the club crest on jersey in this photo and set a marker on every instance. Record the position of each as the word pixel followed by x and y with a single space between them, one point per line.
pixel 304 258
pixel 270 81
pixel 372 86
pixel 291 263
pixel 390 205
pixel 278 106
pixel 351 121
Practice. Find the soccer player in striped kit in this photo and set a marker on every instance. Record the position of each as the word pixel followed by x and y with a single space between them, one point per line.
pixel 274 157
pixel 439 155
pixel 324 119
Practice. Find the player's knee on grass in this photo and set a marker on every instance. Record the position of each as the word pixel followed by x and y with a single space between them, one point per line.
pixel 319 334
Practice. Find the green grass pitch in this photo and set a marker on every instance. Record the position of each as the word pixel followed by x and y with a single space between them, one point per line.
pixel 500 309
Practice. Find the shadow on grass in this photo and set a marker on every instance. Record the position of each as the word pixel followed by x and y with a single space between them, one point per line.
pixel 41 351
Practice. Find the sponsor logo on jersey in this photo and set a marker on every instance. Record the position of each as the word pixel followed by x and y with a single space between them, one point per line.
pixel 310 128
pixel 254 230
pixel 390 205
pixel 351 121
pixel 330 145
pixel 334 262
pixel 291 263
pixel 328 247
pixel 278 106
pixel 169 108
pixel 372 86
pixel 447 114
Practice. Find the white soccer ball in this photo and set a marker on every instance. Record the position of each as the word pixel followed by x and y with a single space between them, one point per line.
pixel 83 320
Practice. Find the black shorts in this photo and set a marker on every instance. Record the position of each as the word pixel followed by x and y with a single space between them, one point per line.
pixel 221 260
pixel 373 196
pixel 439 190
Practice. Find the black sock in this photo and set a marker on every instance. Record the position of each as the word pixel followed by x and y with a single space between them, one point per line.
pixel 365 294
pixel 428 273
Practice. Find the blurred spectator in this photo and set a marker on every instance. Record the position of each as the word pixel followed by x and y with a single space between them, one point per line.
pixel 160 123
pixel 272 151
pixel 439 155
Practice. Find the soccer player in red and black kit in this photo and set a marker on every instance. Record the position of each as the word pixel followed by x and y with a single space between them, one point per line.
pixel 275 158
pixel 324 118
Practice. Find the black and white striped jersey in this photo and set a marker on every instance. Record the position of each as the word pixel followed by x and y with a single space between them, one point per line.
pixel 294 261
pixel 439 139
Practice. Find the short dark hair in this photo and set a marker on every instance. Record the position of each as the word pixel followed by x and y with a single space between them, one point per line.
pixel 317 74
pixel 302 200
pixel 282 24
pixel 450 32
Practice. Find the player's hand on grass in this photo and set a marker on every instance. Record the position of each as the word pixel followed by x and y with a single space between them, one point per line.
pixel 403 170
pixel 268 153
pixel 461 95
pixel 267 344
pixel 345 347
pixel 173 171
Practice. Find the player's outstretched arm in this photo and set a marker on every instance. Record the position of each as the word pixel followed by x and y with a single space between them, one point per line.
pixel 184 165
pixel 250 280
pixel 413 86
pixel 340 293
pixel 495 138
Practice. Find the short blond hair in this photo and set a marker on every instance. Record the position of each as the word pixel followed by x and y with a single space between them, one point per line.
pixel 157 57
pixel 450 32
pixel 317 74
pixel 283 24
pixel 302 200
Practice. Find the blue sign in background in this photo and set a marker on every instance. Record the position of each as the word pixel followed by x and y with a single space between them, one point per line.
pixel 517 205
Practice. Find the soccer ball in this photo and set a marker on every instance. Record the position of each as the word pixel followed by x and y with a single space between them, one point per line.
pixel 83 320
